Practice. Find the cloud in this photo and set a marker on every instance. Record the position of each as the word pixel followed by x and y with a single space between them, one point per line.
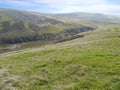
pixel 16 3
pixel 65 6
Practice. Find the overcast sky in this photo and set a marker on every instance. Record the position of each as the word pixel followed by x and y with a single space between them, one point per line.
pixel 64 6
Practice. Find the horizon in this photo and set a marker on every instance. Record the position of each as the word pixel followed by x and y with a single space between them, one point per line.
pixel 72 6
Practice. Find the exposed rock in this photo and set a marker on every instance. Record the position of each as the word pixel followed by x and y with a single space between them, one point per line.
pixel 48 36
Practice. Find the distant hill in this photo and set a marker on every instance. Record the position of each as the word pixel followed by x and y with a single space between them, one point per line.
pixel 92 17
pixel 18 26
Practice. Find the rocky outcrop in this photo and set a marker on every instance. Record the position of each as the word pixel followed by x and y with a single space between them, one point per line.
pixel 73 31
pixel 69 38
pixel 30 38
pixel 48 36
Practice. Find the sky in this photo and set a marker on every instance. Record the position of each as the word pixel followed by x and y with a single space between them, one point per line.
pixel 64 6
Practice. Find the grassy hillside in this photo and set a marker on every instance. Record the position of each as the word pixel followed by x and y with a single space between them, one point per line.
pixel 93 17
pixel 17 26
pixel 88 63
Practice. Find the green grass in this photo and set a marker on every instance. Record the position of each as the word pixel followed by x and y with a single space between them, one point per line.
pixel 89 63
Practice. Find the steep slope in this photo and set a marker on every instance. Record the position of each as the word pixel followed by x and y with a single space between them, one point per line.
pixel 88 63
pixel 32 17
pixel 93 17
pixel 18 26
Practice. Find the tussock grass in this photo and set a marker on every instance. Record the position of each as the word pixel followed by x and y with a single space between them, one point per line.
pixel 89 63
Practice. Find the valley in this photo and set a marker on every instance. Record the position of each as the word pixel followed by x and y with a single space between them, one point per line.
pixel 56 52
